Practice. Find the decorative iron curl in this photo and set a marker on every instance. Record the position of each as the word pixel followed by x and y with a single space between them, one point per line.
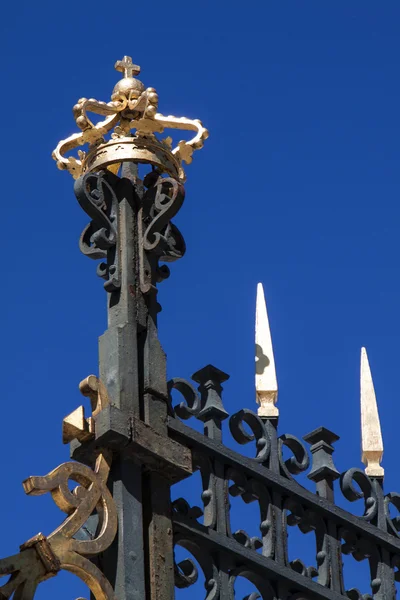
pixel 297 463
pixel 193 402
pixel 357 476
pixel 301 568
pixel 252 542
pixel 183 508
pixel 259 434
pixel 186 572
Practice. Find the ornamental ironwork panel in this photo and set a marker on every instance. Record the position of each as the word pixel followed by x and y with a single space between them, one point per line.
pixel 269 481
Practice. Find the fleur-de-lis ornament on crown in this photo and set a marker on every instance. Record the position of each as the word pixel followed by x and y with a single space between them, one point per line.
pixel 131 120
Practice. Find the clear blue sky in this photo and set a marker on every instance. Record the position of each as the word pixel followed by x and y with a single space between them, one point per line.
pixel 298 187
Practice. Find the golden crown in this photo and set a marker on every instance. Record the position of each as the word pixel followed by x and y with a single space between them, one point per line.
pixel 132 108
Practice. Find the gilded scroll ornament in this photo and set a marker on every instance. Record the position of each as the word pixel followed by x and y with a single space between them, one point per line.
pixel 42 557
pixel 132 107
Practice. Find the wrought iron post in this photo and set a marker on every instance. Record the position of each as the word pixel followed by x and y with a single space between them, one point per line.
pixel 139 563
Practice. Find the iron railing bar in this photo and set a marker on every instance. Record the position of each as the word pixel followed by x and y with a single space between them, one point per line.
pixel 259 563
pixel 193 439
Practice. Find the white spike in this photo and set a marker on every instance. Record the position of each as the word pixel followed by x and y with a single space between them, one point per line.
pixel 266 384
pixel 371 435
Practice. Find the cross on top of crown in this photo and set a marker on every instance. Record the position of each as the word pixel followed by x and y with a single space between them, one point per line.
pixel 127 67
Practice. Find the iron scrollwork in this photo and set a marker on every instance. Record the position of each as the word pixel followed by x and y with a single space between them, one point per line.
pixel 259 432
pixel 190 395
pixel 159 239
pixel 357 476
pixel 300 460
pixel 99 239
pixel 269 479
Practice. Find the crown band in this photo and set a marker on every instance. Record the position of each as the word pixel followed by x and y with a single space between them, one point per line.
pixel 138 149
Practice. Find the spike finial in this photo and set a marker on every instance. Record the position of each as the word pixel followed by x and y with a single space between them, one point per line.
pixel 266 384
pixel 371 436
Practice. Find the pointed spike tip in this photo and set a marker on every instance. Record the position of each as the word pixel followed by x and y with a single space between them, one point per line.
pixel 371 435
pixel 266 382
